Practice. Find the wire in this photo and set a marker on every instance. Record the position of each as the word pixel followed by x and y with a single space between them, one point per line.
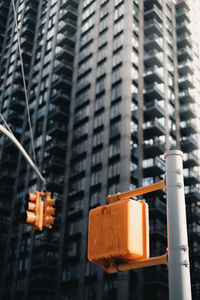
pixel 6 124
pixel 24 81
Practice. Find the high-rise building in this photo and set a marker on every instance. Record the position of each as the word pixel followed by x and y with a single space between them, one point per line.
pixel 111 86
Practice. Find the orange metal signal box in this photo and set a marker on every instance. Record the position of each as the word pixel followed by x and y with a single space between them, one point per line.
pixel 118 232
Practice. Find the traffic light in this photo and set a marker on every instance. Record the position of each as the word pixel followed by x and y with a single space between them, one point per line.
pixel 33 216
pixel 118 232
pixel 49 211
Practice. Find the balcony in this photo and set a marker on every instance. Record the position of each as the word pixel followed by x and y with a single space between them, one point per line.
pixel 188 128
pixel 157 207
pixel 192 194
pixel 56 147
pixel 182 4
pixel 152 58
pixel 193 213
pixel 61 82
pixel 153 129
pixel 185 68
pixel 153 109
pixel 184 54
pixel 155 149
pixel 7 176
pixel 191 178
pixel 63 67
pixel 18 91
pixel 60 99
pixel 67 25
pixel 153 12
pixel 66 3
pixel 58 130
pixel 153 166
pixel 185 82
pixel 191 161
pixel 17 105
pixel 65 39
pixel 187 96
pixel 158 231
pixel 8 161
pixel 68 12
pixel 154 91
pixel 189 144
pixel 55 183
pixel 153 42
pixel 187 112
pixel 148 3
pixel 153 27
pixel 15 119
pixel 64 53
pixel 54 164
pixel 184 40
pixel 182 15
pixel 58 114
pixel 153 74
pixel 183 28
pixel 194 233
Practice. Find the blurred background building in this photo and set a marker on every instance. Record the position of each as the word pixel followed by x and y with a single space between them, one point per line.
pixel 111 86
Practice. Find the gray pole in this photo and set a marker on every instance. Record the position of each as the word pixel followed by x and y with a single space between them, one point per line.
pixel 178 264
pixel 21 149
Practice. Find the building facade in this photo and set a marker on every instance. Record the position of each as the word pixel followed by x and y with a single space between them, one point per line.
pixel 111 86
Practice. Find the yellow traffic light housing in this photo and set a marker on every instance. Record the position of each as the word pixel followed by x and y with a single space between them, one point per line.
pixel 118 232
pixel 34 214
pixel 49 211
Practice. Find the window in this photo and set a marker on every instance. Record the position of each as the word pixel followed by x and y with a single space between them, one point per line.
pixel 102 40
pixel 101 69
pixel 98 139
pixel 76 186
pixel 119 11
pixel 74 227
pixel 118 27
pixel 114 148
pixel 118 41
pixel 72 249
pixel 80 131
pixel 95 198
pixel 114 129
pixel 100 85
pixel 84 81
pixel 82 113
pixel 117 58
pixel 88 25
pixel 99 102
pixel 114 169
pixel 78 166
pixel 102 53
pixel 96 157
pixel 116 74
pixel 89 11
pixel 79 148
pixel 116 91
pixel 96 177
pixel 115 110
pixel 113 189
pixel 83 97
pixel 99 120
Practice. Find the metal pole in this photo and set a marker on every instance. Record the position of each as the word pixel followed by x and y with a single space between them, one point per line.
pixel 21 149
pixel 178 262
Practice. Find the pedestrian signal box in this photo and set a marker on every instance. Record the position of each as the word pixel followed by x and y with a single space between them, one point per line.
pixel 118 232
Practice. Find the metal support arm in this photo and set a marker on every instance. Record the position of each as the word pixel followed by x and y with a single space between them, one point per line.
pixel 21 149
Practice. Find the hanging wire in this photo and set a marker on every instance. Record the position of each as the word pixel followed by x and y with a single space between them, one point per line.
pixel 6 124
pixel 24 81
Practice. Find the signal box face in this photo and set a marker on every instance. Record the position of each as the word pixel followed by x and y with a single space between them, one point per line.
pixel 118 231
